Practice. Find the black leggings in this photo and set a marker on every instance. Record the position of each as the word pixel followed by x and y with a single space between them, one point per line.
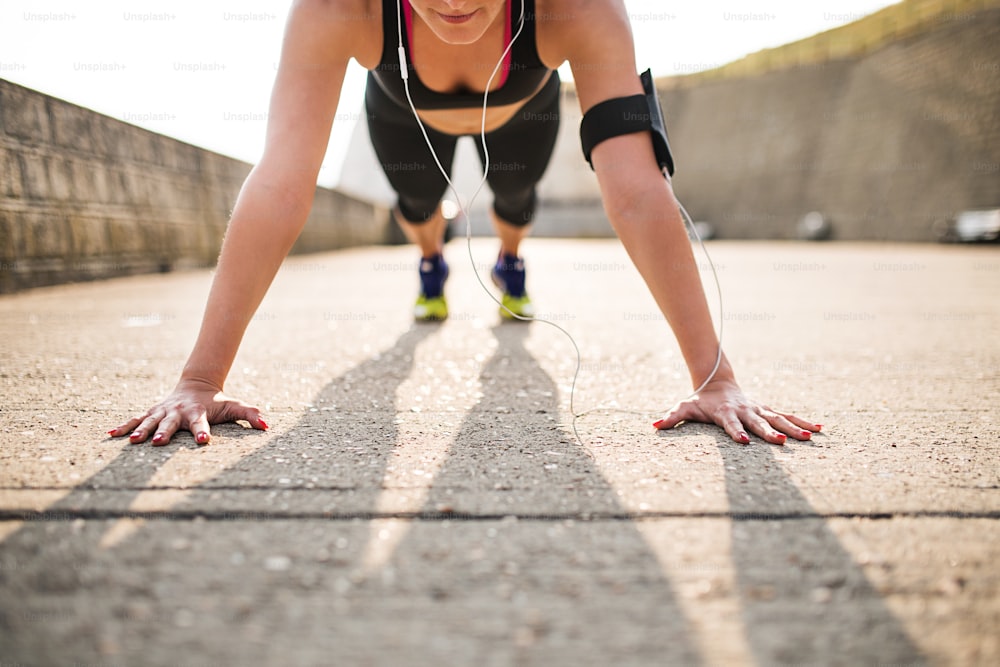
pixel 519 153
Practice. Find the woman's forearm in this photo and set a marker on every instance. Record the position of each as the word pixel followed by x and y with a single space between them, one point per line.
pixel 652 230
pixel 269 215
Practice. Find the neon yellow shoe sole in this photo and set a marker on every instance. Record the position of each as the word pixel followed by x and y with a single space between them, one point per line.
pixel 434 309
pixel 520 306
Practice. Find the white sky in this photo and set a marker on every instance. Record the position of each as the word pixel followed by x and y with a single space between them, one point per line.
pixel 202 70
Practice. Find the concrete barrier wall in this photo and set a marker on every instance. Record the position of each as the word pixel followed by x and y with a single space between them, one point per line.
pixel 85 196
pixel 889 146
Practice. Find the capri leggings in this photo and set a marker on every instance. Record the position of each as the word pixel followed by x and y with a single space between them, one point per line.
pixel 519 153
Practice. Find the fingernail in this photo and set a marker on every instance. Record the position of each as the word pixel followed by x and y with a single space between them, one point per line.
pixel 201 438
pixel 136 434
pixel 659 424
pixel 781 436
pixel 744 438
pixel 819 427
pixel 806 434
pixel 263 425
pixel 112 431
pixel 157 438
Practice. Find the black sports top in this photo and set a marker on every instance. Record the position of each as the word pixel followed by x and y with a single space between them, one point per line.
pixel 520 76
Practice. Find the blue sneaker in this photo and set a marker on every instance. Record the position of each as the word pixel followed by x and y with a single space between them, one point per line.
pixel 508 274
pixel 431 305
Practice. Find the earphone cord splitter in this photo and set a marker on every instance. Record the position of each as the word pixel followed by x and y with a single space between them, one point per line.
pixel 465 208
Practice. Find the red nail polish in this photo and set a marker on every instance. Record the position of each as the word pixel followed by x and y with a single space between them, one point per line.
pixel 819 427
pixel 112 431
pixel 744 438
pixel 782 436
pixel 659 424
pixel 806 434
pixel 202 437
pixel 262 423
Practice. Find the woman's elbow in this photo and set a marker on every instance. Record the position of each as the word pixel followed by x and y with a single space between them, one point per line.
pixel 638 200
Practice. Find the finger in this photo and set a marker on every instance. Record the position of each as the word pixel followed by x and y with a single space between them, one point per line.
pixel 198 424
pixel 802 423
pixel 783 424
pixel 234 410
pixel 143 430
pixel 166 429
pixel 759 426
pixel 732 425
pixel 119 431
pixel 685 411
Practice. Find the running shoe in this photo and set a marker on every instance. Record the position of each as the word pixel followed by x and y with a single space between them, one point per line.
pixel 431 305
pixel 508 275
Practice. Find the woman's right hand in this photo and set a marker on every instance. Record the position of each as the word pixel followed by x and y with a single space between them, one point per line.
pixel 192 406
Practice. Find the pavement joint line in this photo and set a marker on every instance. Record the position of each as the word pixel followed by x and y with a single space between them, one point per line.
pixel 252 515
pixel 358 411
pixel 356 487
pixel 244 487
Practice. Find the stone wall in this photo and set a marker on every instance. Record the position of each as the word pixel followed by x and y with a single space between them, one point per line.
pixel 85 196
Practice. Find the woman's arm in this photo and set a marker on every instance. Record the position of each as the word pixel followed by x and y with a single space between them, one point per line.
pixel 269 214
pixel 642 209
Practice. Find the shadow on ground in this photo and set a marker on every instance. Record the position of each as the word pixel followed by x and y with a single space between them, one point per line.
pixel 803 597
pixel 329 550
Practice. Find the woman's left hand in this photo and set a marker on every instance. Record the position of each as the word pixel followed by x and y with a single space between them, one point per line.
pixel 723 403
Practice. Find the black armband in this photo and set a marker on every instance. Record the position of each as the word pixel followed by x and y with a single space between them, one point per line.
pixel 627 115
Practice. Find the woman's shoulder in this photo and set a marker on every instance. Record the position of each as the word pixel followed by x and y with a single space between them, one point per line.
pixel 580 17
pixel 356 24
pixel 568 12
pixel 342 11
pixel 565 25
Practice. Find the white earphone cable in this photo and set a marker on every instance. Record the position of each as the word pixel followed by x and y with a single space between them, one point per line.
pixel 465 208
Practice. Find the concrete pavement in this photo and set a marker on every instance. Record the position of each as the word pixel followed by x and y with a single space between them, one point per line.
pixel 421 498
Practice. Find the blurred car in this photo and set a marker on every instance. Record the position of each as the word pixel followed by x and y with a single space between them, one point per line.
pixel 982 226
